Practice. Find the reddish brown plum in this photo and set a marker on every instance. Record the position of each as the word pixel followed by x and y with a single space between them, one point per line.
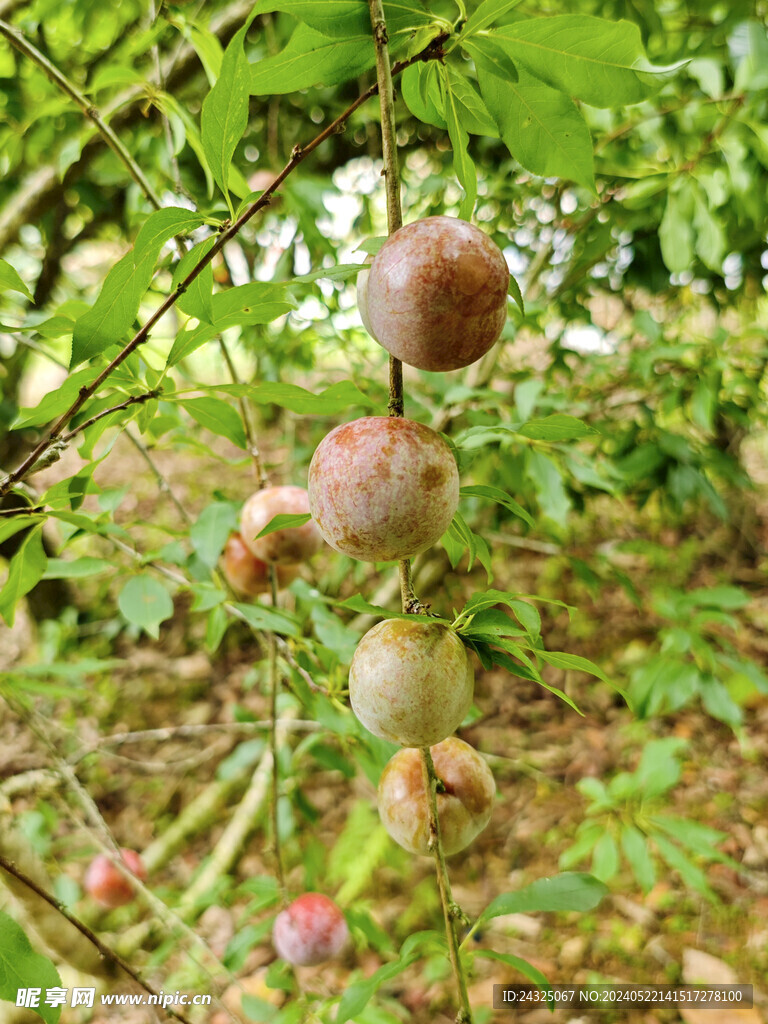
pixel 106 885
pixel 436 295
pixel 248 575
pixel 383 488
pixel 311 930
pixel 411 682
pixel 288 546
pixel 464 799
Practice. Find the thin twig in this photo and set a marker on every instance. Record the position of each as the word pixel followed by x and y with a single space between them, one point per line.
pixel 133 400
pixel 274 686
pixel 451 912
pixel 104 951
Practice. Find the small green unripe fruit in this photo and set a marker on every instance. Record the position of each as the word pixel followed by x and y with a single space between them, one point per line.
pixel 411 682
pixel 436 295
pixel 383 488
pixel 464 798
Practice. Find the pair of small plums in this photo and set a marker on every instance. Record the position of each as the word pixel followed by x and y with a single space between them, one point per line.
pixel 383 489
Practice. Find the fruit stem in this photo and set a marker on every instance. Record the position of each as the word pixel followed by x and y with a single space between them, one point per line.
pixel 274 685
pixel 450 911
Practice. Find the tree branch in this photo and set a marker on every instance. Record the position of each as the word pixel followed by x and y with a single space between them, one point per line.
pixel 300 154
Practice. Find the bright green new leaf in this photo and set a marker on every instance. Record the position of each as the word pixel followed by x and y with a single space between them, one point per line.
pixel 224 115
pixel 21 967
pixel 25 571
pixel 568 891
pixel 145 602
pixel 540 126
pixel 600 62
pixel 217 416
pixel 10 280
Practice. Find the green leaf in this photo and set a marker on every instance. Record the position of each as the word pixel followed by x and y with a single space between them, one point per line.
pixel 676 229
pixel 273 620
pixel 540 126
pixel 635 847
pixel 605 858
pixel 311 58
pixel 485 14
pixel 358 994
pixel 145 602
pixel 463 165
pixel 600 62
pixel 583 845
pixel 10 280
pixel 711 243
pixel 526 969
pixel 25 571
pixel 420 87
pixel 217 416
pixel 342 271
pixel 254 303
pixel 224 116
pixel 557 427
pixel 492 59
pixel 567 891
pixel 693 876
pixel 21 968
pixel 340 18
pixel 514 290
pixel 284 521
pixel 197 300
pixel 337 398
pixel 210 531
pixel 697 837
pixel 76 569
pixel 116 308
pixel 471 113
pixel 572 662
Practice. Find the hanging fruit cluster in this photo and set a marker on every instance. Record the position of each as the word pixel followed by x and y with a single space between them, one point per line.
pixel 385 488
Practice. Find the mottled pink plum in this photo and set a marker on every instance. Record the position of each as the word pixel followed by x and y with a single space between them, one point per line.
pixel 311 930
pixel 106 885
pixel 464 799
pixel 411 682
pixel 383 488
pixel 289 546
pixel 247 574
pixel 436 295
